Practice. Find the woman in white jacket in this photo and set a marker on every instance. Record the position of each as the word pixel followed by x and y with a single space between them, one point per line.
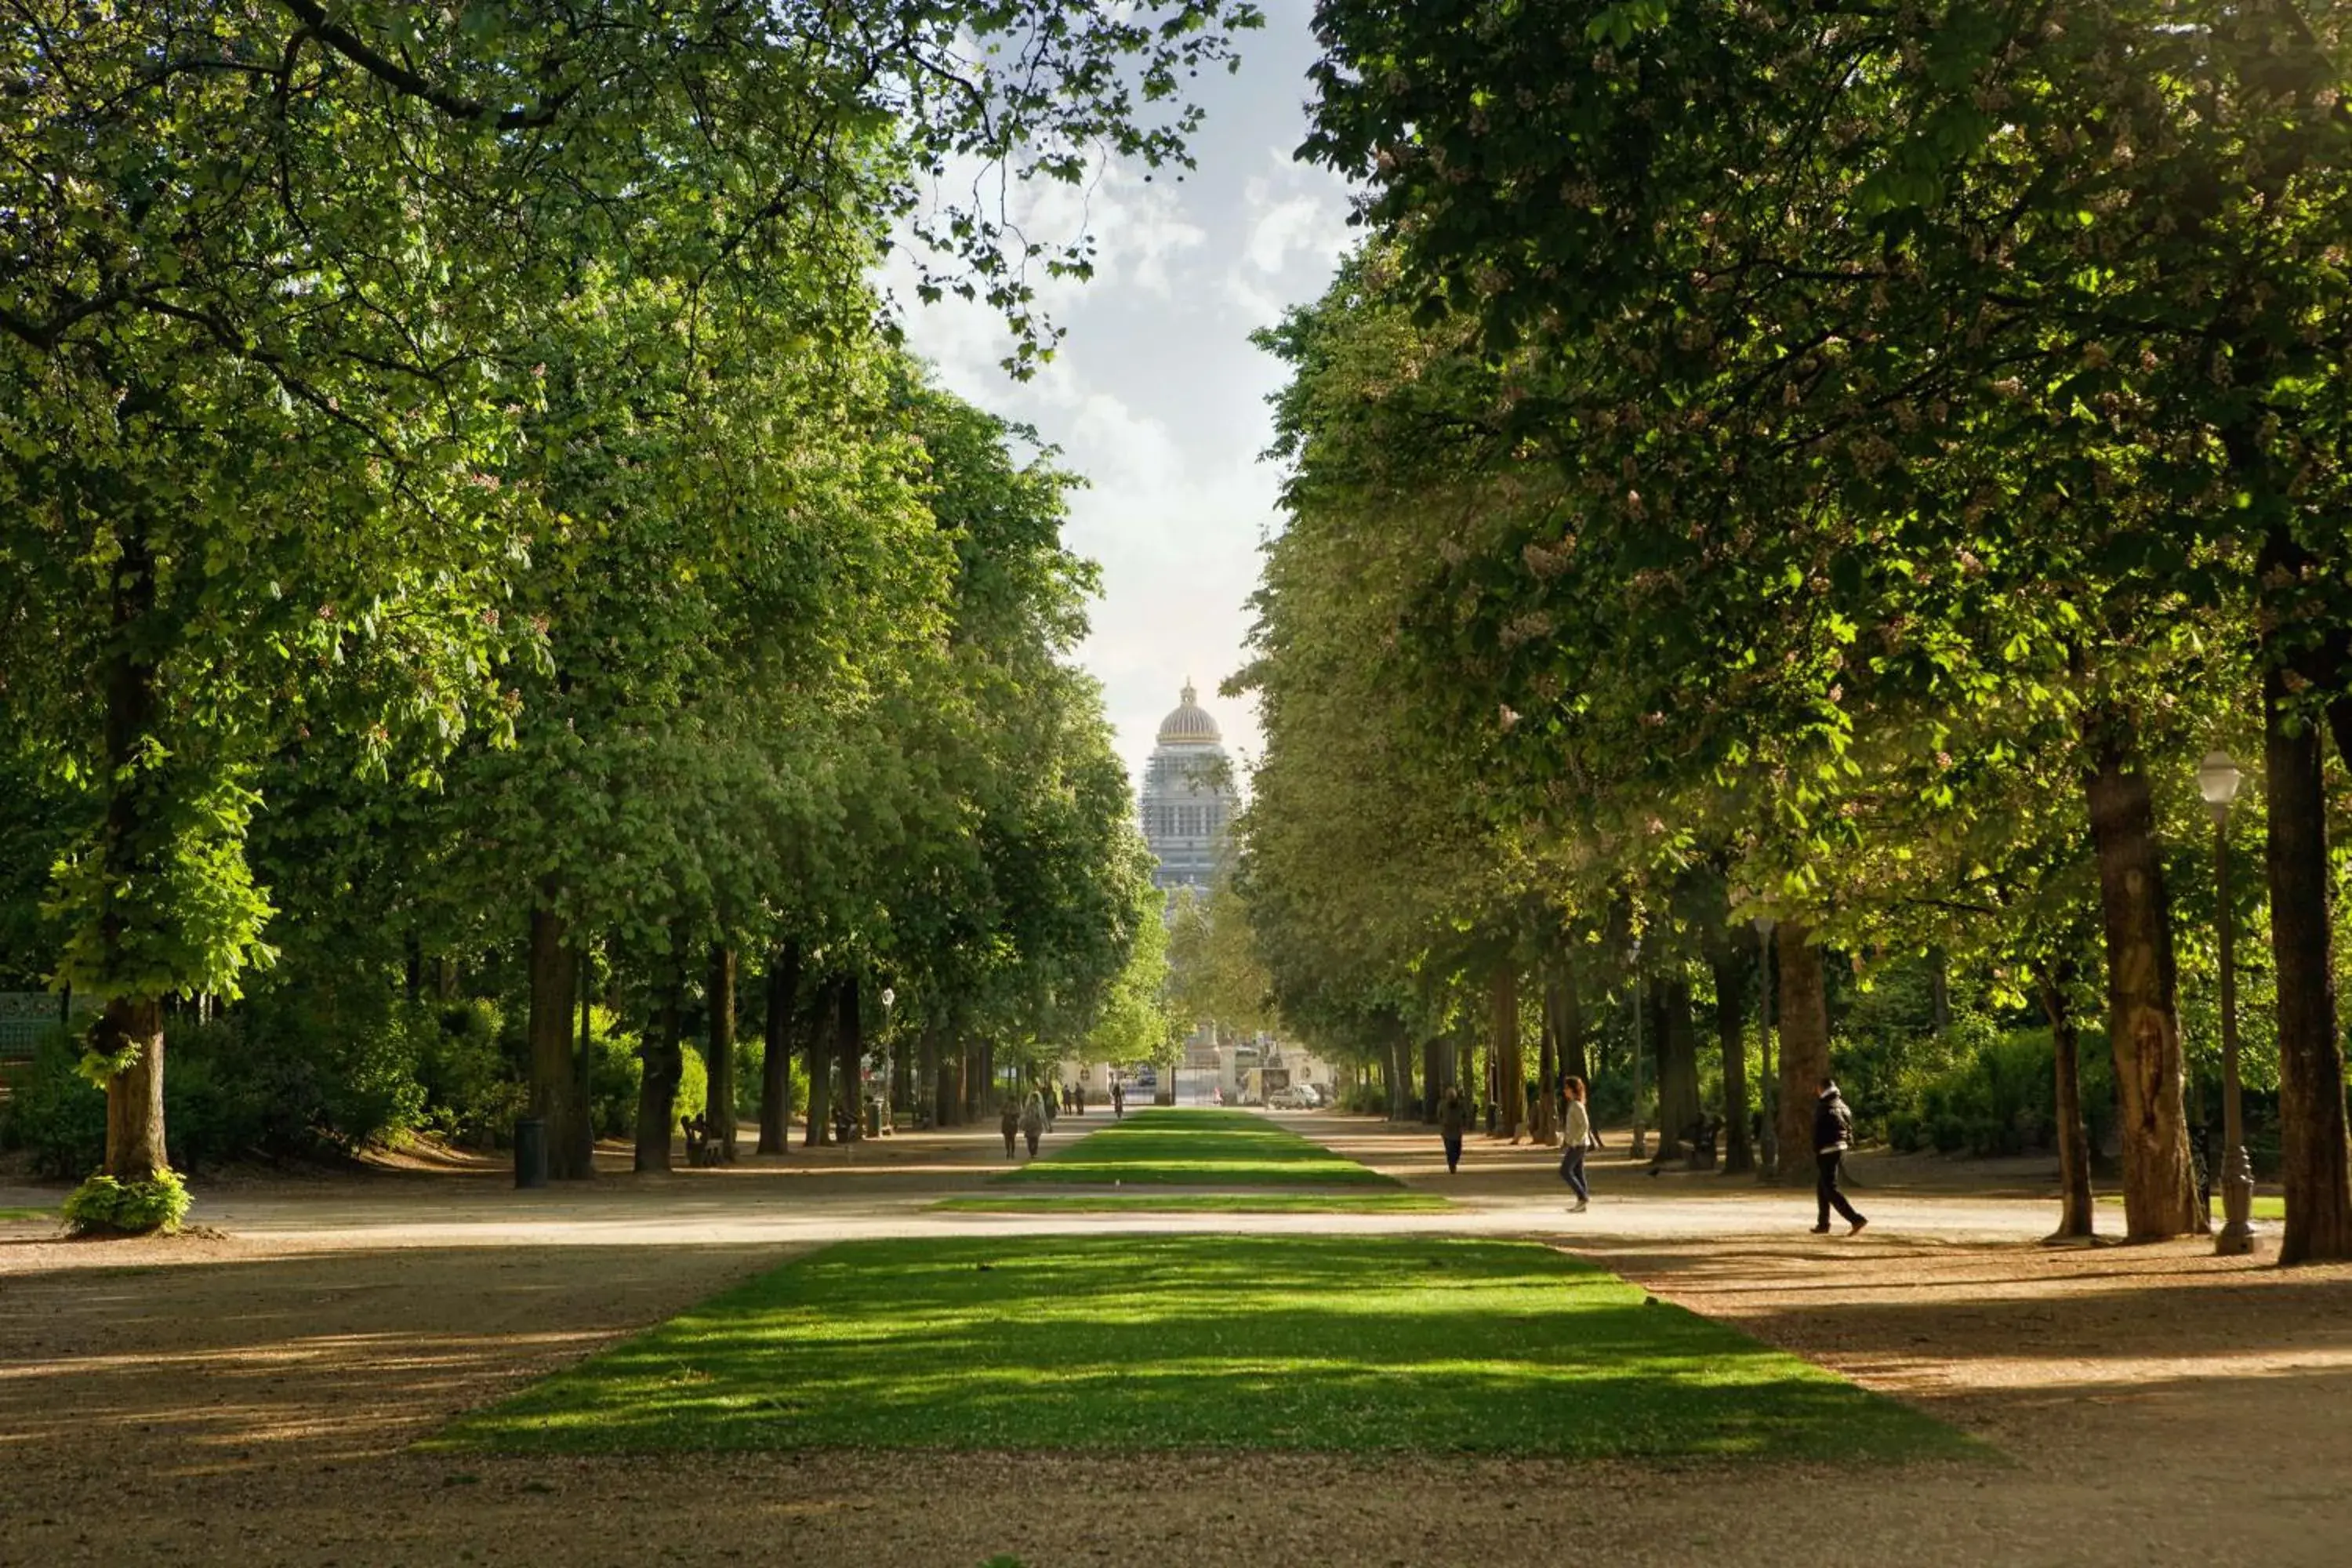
pixel 1576 1137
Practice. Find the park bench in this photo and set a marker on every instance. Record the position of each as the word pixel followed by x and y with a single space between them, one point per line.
pixel 702 1148
pixel 1704 1136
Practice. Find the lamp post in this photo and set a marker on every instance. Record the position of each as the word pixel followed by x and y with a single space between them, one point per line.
pixel 1640 1145
pixel 2217 781
pixel 1770 1160
pixel 890 1060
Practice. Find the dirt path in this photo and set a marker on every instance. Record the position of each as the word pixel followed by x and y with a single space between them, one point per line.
pixel 247 1398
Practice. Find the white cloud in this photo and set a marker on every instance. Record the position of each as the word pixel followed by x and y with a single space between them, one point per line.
pixel 1156 394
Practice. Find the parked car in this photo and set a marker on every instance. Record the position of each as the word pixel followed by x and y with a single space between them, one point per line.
pixel 1291 1097
pixel 1147 1077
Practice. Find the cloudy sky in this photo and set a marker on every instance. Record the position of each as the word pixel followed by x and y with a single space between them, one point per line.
pixel 1157 396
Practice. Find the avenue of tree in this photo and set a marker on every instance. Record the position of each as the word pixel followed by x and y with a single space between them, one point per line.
pixel 1842 463
pixel 460 496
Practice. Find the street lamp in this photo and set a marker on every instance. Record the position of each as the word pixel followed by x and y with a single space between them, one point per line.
pixel 889 1059
pixel 2217 781
pixel 1641 1140
pixel 1770 1153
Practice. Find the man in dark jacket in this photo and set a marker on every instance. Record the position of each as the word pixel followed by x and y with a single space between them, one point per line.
pixel 1833 1136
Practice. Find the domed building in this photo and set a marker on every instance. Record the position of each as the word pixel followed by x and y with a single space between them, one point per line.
pixel 1188 797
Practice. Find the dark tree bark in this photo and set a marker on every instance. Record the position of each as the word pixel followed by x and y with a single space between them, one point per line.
pixel 719 1061
pixel 2143 1017
pixel 554 977
pixel 1675 1040
pixel 1433 1078
pixel 1804 1046
pixel 850 1042
pixel 1939 990
pixel 134 1097
pixel 1575 1030
pixel 2076 1213
pixel 131 1028
pixel 664 1056
pixel 776 1045
pixel 583 1059
pixel 1510 1071
pixel 820 1063
pixel 1727 958
pixel 1546 1125
pixel 1407 1104
pixel 2311 1062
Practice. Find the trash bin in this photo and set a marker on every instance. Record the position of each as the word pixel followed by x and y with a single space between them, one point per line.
pixel 531 1151
pixel 874 1117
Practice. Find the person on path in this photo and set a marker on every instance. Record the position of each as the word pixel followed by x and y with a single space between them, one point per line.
pixel 1833 1136
pixel 1009 1124
pixel 1033 1122
pixel 1452 1117
pixel 1117 1101
pixel 1575 1137
pixel 1078 1099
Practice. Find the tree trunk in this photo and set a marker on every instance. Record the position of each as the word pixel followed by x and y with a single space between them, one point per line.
pixel 1408 1107
pixel 719 1060
pixel 1510 1068
pixel 134 1097
pixel 2143 1020
pixel 131 1026
pixel 1727 958
pixel 820 1069
pixel 931 1070
pixel 583 1060
pixel 1939 990
pixel 1547 1127
pixel 664 1057
pixel 1804 1048
pixel 1433 1078
pixel 2075 1215
pixel 554 976
pixel 850 1042
pixel 2311 1063
pixel 776 1046
pixel 1675 1041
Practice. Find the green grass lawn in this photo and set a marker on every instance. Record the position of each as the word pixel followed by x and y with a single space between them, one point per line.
pixel 1196 1149
pixel 7 1214
pixel 1348 1344
pixel 1199 1202
pixel 2267 1205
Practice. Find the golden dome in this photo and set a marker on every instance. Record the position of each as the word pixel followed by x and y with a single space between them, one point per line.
pixel 1187 725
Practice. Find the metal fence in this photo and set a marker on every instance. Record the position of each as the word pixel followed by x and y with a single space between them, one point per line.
pixel 27 1017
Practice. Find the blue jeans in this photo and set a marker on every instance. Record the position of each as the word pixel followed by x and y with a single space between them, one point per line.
pixel 1571 1171
pixel 1453 1141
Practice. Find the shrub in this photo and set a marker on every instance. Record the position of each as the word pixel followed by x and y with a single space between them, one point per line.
pixel 616 1072
pixel 471 1094
pixel 104 1206
pixel 54 1114
pixel 1903 1132
pixel 1367 1099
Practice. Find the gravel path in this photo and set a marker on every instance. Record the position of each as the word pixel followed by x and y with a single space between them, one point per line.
pixel 245 1395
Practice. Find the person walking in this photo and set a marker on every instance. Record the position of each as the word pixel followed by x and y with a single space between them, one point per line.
pixel 1833 1136
pixel 1009 1124
pixel 1032 1122
pixel 1452 1117
pixel 1575 1137
pixel 1117 1100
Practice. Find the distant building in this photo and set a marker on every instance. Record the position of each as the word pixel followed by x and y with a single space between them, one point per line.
pixel 1188 799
